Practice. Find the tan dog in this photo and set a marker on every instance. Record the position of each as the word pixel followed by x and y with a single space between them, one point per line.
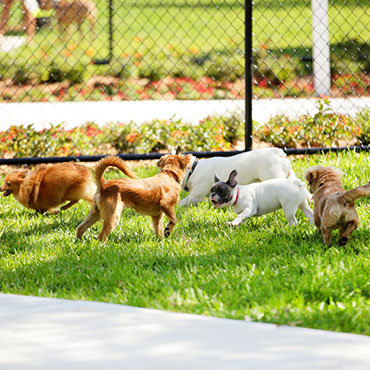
pixel 334 208
pixel 151 196
pixel 50 185
pixel 73 11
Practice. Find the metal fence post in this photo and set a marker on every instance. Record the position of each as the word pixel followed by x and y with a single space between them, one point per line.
pixel 110 40
pixel 320 47
pixel 248 74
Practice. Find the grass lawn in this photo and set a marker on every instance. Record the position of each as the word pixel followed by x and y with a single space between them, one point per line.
pixel 210 24
pixel 164 33
pixel 264 271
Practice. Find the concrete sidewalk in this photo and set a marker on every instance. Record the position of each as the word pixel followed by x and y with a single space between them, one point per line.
pixel 44 333
pixel 76 113
pixel 8 43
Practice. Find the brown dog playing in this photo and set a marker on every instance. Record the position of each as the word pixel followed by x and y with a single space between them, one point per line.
pixel 76 11
pixel 50 185
pixel 73 11
pixel 334 207
pixel 151 196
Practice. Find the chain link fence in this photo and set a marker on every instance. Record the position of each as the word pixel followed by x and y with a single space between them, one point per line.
pixel 303 49
pixel 136 61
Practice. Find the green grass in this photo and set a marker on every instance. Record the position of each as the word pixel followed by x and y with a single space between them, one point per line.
pixel 265 270
pixel 166 36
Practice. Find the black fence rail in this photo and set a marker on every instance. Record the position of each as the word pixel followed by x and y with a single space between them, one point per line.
pixel 276 57
pixel 153 156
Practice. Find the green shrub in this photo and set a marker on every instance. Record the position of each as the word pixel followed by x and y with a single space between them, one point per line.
pixel 324 129
pixel 54 73
pixel 212 133
pixel 225 67
pixel 121 68
pixel 219 133
pixel 362 121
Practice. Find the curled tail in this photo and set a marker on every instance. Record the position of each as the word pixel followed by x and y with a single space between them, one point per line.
pixel 359 192
pixel 303 187
pixel 279 152
pixel 104 163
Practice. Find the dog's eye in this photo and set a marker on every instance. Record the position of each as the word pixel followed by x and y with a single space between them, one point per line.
pixel 8 183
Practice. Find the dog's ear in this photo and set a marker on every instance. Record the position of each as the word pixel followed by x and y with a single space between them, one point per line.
pixel 231 181
pixel 217 179
pixel 309 176
pixel 184 160
pixel 178 150
pixel 22 173
pixel 161 161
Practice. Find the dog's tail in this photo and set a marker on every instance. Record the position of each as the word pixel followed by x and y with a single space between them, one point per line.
pixel 303 188
pixel 104 163
pixel 301 185
pixel 359 192
pixel 279 152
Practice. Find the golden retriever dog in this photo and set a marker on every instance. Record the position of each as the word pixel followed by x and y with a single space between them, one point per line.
pixel 50 186
pixel 152 196
pixel 334 207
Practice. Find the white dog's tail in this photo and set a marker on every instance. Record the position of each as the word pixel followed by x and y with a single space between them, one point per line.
pixel 279 152
pixel 291 175
pixel 302 186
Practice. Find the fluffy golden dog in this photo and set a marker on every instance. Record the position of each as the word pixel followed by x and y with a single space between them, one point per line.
pixel 334 207
pixel 151 196
pixel 50 185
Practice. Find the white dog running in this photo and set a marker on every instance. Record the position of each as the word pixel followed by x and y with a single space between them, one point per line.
pixel 256 165
pixel 261 198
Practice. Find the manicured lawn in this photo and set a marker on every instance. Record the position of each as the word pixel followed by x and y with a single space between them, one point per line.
pixel 265 270
pixel 191 39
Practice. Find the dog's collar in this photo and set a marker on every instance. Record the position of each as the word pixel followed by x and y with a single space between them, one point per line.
pixel 237 197
pixel 190 172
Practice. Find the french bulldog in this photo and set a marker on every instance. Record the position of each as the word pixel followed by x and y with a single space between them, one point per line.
pixel 258 199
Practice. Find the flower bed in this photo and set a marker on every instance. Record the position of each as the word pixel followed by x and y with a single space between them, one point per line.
pixel 110 88
pixel 215 133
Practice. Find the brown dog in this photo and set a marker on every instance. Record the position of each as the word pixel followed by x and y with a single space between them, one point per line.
pixel 334 208
pixel 73 11
pixel 151 196
pixel 50 185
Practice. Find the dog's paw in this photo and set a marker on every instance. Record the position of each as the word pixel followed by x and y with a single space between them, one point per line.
pixel 343 241
pixel 167 232
pixel 233 223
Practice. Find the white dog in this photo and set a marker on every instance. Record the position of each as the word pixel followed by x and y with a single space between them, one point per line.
pixel 261 198
pixel 256 165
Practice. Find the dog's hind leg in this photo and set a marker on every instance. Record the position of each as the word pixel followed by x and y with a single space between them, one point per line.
pixel 90 220
pixel 110 218
pixel 68 205
pixel 158 224
pixel 345 233
pixel 290 214
pixel 304 207
pixel 171 215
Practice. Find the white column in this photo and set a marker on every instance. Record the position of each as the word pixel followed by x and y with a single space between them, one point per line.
pixel 320 48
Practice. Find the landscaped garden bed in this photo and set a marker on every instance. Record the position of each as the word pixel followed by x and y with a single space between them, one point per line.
pixel 214 133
